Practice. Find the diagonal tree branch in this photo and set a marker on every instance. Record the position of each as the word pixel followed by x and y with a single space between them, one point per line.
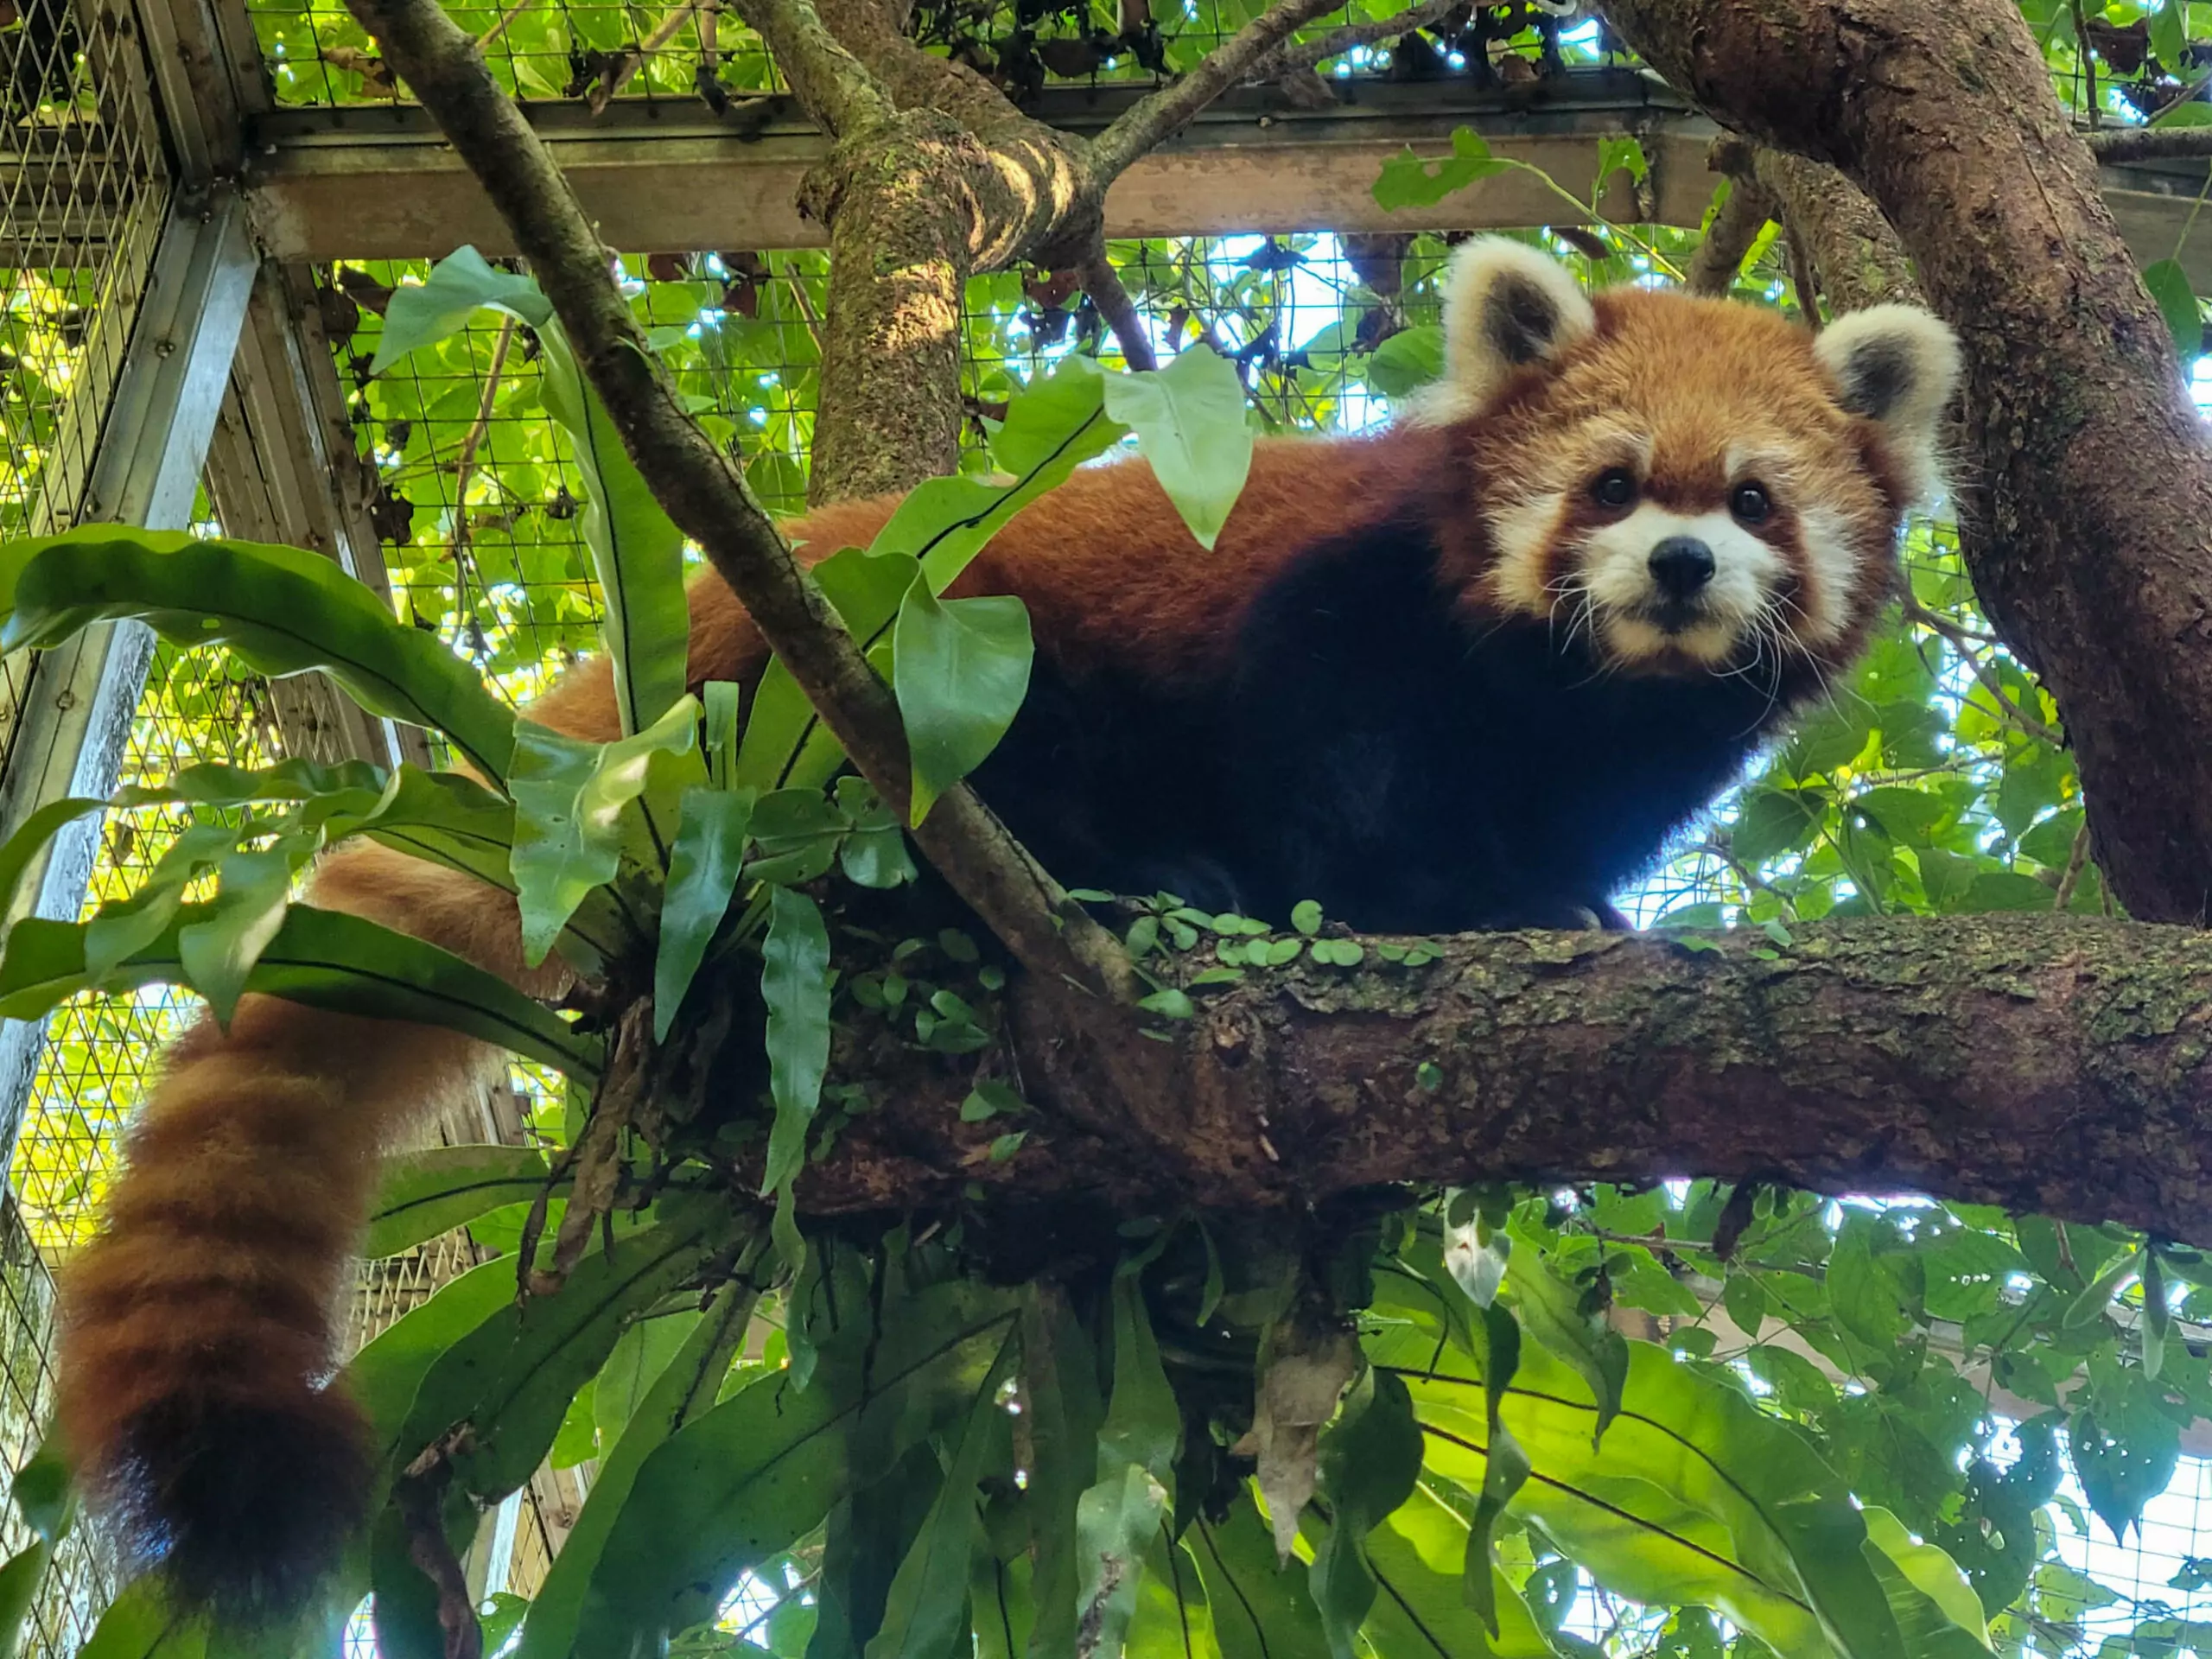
pixel 1151 120
pixel 706 495
pixel 1347 37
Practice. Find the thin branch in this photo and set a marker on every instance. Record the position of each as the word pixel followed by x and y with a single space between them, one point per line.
pixel 2150 144
pixel 1154 120
pixel 465 469
pixel 2077 860
pixel 2089 61
pixel 1350 37
pixel 632 61
pixel 499 26
pixel 705 493
pixel 1103 283
pixel 2006 708
pixel 833 85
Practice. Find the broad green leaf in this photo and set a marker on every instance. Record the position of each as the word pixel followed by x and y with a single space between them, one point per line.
pixel 138 1624
pixel 570 799
pixel 711 829
pixel 19 1581
pixel 28 843
pixel 1417 1556
pixel 218 953
pixel 428 1192
pixel 1409 360
pixel 422 313
pixel 2191 113
pixel 1369 1463
pixel 512 1377
pixel 1261 1610
pixel 1116 1516
pixel 2125 1448
pixel 1551 1312
pixel 2170 35
pixel 795 984
pixel 2170 286
pixel 685 1389
pixel 874 852
pixel 866 1538
pixel 1695 1497
pixel 923 1613
pixel 324 959
pixel 1407 181
pixel 44 1495
pixel 637 551
pixel 641 1353
pixel 749 1478
pixel 961 671
pixel 385 1374
pixel 280 611
pixel 797 834
pixel 123 927
pixel 1935 1608
pixel 1190 426
pixel 2158 1316
pixel 1060 1399
pixel 215 783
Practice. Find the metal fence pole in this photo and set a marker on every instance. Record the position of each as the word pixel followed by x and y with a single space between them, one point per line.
pixel 146 471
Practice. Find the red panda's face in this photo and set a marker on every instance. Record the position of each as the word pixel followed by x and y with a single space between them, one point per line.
pixel 1690 487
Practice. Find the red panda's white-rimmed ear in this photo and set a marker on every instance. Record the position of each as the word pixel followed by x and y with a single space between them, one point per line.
pixel 1505 305
pixel 1899 365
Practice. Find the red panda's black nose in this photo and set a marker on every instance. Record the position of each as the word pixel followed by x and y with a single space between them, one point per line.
pixel 1682 565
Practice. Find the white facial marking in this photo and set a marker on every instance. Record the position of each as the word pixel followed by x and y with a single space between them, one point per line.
pixel 1834 570
pixel 1522 531
pixel 1616 571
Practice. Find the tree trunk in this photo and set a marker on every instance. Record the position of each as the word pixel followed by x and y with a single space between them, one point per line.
pixel 2051 1065
pixel 2089 548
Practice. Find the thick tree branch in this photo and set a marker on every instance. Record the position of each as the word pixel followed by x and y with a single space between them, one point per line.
pixel 2043 1063
pixel 1149 122
pixel 2084 432
pixel 706 495
pixel 1713 268
pixel 835 86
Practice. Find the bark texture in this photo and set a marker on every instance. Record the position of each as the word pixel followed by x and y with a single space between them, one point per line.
pixel 2090 536
pixel 2046 1064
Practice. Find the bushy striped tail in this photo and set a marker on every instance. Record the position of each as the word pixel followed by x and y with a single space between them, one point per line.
pixel 200 1329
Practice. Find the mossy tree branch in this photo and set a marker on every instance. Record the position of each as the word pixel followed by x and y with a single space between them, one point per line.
pixel 2049 1064
pixel 705 492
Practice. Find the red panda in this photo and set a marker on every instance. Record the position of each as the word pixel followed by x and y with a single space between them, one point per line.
pixel 1471 670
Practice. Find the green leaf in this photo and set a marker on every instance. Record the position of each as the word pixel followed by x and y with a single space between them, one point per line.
pixel 711 830
pixel 685 1389
pixel 1409 360
pixel 139 1624
pixel 1505 1466
pixel 636 550
pixel 2170 286
pixel 1416 1556
pixel 1061 1401
pixel 1619 155
pixel 2125 1448
pixel 1370 1464
pixel 387 1372
pixel 1261 1610
pixel 641 1353
pixel 924 1613
pixel 2192 113
pixel 874 852
pixel 2169 36
pixel 2158 1316
pixel 1552 1312
pixel 1190 426
pixel 1937 1609
pixel 19 1581
pixel 1864 1297
pixel 1116 1516
pixel 752 1476
pixel 797 834
pixel 28 843
pixel 570 799
pixel 218 953
pixel 423 313
pixel 961 669
pixel 795 984
pixel 324 959
pixel 43 1494
pixel 511 1378
pixel 430 1192
pixel 1407 181
pixel 279 610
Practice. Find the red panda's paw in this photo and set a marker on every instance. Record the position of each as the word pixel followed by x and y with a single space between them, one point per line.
pixel 244 1507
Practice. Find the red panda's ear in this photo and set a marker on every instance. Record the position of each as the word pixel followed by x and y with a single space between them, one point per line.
pixel 1505 305
pixel 1898 366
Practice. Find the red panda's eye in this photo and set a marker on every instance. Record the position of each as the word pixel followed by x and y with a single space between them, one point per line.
pixel 1750 503
pixel 1615 487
